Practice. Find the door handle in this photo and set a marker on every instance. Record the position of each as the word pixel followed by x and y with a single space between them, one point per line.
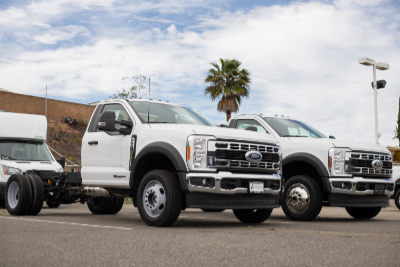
pixel 93 142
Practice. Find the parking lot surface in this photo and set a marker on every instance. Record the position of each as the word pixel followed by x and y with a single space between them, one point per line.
pixel 71 236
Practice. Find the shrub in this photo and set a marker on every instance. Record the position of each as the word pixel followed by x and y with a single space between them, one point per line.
pixel 68 157
pixel 78 140
pixel 83 123
pixel 397 155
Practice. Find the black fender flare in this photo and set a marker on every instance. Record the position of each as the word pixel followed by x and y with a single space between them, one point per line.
pixel 314 162
pixel 161 148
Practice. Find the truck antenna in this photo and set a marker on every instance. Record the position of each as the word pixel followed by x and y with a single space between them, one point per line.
pixel 148 110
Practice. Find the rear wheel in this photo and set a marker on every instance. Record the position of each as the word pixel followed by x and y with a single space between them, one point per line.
pixel 37 194
pixel 252 216
pixel 397 198
pixel 212 210
pixel 18 195
pixel 100 205
pixel 53 203
pixel 363 213
pixel 159 198
pixel 118 202
pixel 302 198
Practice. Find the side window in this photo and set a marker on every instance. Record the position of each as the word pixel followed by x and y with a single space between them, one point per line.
pixel 120 114
pixel 243 124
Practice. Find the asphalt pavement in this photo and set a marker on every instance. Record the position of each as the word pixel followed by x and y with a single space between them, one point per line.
pixel 71 236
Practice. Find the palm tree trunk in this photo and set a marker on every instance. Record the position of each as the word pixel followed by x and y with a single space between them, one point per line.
pixel 228 116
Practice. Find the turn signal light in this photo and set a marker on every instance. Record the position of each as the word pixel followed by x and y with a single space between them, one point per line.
pixel 188 153
pixel 330 162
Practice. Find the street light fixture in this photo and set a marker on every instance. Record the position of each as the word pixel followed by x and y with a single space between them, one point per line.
pixel 379 66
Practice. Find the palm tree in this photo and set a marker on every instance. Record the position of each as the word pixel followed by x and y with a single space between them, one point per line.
pixel 228 83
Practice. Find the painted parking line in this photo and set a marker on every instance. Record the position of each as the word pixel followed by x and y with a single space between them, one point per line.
pixel 68 223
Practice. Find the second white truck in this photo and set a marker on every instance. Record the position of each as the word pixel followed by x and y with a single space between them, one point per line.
pixel 320 170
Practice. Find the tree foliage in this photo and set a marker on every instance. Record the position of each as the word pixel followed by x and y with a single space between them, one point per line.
pixel 397 131
pixel 228 83
pixel 139 89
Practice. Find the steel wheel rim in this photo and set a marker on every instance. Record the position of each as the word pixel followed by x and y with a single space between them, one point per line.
pixel 13 195
pixel 298 198
pixel 154 198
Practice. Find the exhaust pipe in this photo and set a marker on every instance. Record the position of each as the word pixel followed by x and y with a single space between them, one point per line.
pixel 89 191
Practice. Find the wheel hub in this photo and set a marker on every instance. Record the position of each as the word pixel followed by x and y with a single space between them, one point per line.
pixel 13 195
pixel 154 198
pixel 298 198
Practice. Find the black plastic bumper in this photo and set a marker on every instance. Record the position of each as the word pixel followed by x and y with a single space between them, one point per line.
pixel 343 200
pixel 235 201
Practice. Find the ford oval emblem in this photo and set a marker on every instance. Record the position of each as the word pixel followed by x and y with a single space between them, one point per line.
pixel 253 156
pixel 377 164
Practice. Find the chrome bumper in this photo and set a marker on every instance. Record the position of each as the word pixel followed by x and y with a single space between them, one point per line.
pixel 218 177
pixel 354 181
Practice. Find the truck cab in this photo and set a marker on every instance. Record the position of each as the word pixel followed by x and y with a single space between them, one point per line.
pixel 320 170
pixel 23 147
pixel 167 157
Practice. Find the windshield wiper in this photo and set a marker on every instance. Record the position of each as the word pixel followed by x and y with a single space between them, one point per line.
pixel 7 157
pixel 294 135
pixel 161 122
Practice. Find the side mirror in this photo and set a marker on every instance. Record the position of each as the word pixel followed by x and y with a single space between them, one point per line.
pixel 332 137
pixel 251 128
pixel 107 121
pixel 128 124
pixel 62 162
pixel 223 125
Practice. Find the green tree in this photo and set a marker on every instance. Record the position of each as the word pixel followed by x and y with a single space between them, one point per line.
pixel 139 89
pixel 397 131
pixel 228 83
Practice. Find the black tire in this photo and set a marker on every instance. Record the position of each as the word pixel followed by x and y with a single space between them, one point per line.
pixel 37 194
pixel 397 198
pixel 170 192
pixel 100 205
pixel 22 202
pixel 2 203
pixel 252 216
pixel 53 203
pixel 211 210
pixel 309 209
pixel 363 213
pixel 118 202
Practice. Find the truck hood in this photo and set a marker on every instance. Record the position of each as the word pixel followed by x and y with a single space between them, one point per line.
pixel 221 132
pixel 32 165
pixel 353 145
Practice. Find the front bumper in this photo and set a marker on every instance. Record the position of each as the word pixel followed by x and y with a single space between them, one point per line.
pixel 360 186
pixel 215 188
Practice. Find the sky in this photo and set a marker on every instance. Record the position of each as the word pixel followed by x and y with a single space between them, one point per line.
pixel 302 55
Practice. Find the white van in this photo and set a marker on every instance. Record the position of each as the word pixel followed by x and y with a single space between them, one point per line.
pixel 23 147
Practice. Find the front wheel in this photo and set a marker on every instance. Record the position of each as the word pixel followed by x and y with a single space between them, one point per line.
pixel 363 213
pixel 397 198
pixel 302 198
pixel 252 216
pixel 18 195
pixel 159 198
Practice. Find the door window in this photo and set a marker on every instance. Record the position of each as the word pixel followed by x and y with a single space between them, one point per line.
pixel 120 114
pixel 243 124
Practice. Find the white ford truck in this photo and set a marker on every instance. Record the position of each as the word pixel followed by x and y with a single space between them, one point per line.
pixel 321 171
pixel 167 158
pixel 23 148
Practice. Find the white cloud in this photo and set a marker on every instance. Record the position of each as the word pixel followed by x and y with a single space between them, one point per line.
pixel 302 57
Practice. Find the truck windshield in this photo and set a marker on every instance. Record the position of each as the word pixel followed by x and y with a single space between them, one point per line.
pixel 292 128
pixel 166 113
pixel 24 150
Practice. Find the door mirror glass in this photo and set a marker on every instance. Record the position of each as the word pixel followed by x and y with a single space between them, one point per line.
pixel 107 121
pixel 62 162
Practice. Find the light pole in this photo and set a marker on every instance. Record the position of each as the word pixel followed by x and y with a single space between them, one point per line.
pixel 380 66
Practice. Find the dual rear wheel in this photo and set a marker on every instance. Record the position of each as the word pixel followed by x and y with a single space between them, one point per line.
pixel 105 205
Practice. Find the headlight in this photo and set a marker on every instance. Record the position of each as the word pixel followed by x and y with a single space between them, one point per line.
pixel 10 170
pixel 337 161
pixel 196 154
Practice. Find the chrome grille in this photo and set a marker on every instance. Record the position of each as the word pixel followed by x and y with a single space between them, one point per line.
pixel 222 154
pixel 361 163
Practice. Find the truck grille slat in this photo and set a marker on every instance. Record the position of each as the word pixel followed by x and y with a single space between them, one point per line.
pixel 361 163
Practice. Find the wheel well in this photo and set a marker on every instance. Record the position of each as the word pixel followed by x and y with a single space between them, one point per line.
pixel 301 168
pixel 149 162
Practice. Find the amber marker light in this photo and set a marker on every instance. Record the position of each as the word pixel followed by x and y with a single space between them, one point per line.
pixel 330 162
pixel 188 153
